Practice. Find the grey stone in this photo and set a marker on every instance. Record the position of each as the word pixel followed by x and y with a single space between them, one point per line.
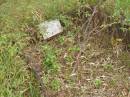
pixel 50 28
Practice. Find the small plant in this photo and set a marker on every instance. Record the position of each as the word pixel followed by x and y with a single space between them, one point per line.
pixel 65 20
pixel 108 67
pixel 75 48
pixel 50 60
pixel 55 85
pixel 69 58
pixel 61 40
pixel 97 83
pixel 112 82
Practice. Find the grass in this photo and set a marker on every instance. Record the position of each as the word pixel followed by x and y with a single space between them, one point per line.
pixel 17 16
pixel 55 85
pixel 50 61
pixel 123 8
pixel 97 83
pixel 13 74
pixel 108 67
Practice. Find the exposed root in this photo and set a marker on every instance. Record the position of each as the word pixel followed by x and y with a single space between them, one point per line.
pixel 33 59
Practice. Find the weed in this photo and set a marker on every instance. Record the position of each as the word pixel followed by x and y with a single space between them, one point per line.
pixel 71 33
pixel 112 82
pixel 45 79
pixel 65 20
pixel 50 60
pixel 108 66
pixel 34 92
pixel 74 49
pixel 97 83
pixel 55 84
pixel 61 40
pixel 69 59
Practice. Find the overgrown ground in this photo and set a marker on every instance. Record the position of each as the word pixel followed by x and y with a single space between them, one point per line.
pixel 89 59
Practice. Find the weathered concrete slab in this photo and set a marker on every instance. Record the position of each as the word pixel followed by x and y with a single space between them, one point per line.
pixel 50 28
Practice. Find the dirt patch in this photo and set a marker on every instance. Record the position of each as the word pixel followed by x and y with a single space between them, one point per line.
pixel 93 70
pixel 97 70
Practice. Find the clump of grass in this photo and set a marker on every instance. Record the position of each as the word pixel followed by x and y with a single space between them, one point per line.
pixel 97 83
pixel 112 82
pixel 55 85
pixel 69 59
pixel 61 40
pixel 65 20
pixel 74 49
pixel 50 59
pixel 108 67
